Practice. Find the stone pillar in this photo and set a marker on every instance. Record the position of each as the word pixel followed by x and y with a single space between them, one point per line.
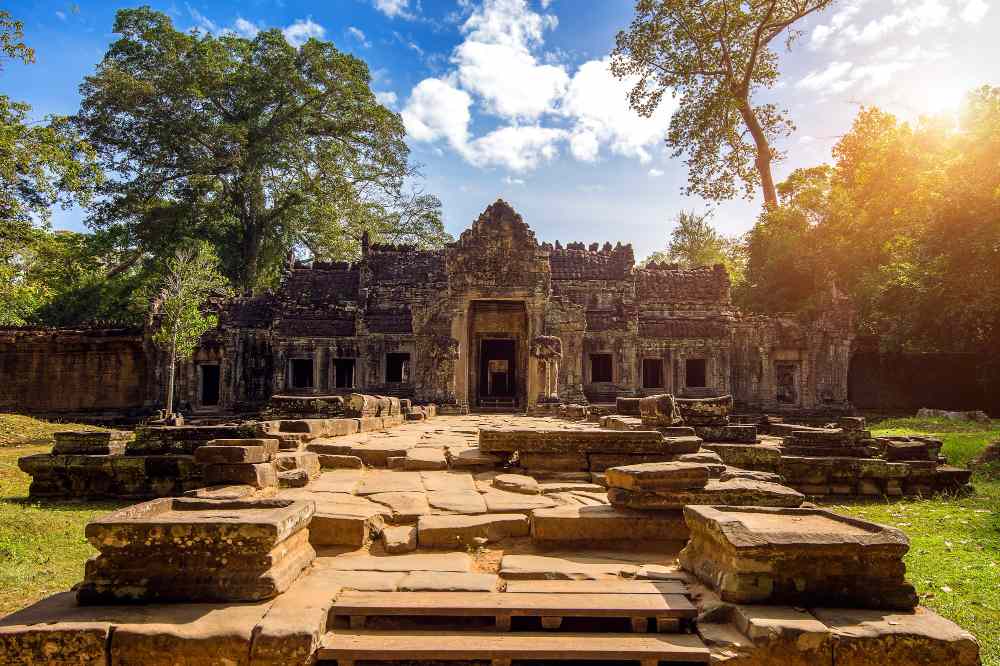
pixel 547 350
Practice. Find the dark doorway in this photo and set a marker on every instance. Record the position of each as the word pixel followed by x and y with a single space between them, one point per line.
pixel 343 373
pixel 498 369
pixel 300 371
pixel 601 368
pixel 786 381
pixel 210 385
pixel 397 368
pixel 652 373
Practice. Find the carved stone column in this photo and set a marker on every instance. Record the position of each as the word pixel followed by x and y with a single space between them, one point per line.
pixel 548 350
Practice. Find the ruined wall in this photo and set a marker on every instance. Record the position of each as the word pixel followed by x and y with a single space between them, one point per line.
pixel 909 381
pixel 73 370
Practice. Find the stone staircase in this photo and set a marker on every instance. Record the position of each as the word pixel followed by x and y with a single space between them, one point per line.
pixel 579 622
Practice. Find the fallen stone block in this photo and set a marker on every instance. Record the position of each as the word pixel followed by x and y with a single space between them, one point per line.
pixel 605 523
pixel 659 410
pixel 249 455
pixel 866 637
pixel 464 531
pixel 797 557
pixel 516 483
pixel 260 475
pixel 185 549
pixel 345 520
pixel 695 409
pixel 628 406
pixel 567 441
pixel 306 461
pixel 87 442
pixel 399 539
pixel 293 478
pixel 735 473
pixel 740 434
pixel 710 459
pixel 735 492
pixel 339 461
pixel 425 459
pixel 658 476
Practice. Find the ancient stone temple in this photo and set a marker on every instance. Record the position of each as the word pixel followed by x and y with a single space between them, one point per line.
pixel 498 320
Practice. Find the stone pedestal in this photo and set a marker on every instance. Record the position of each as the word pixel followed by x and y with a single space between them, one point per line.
pixel 180 550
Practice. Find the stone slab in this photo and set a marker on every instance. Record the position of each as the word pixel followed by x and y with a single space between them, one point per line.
pixel 461 501
pixel 398 539
pixel 493 440
pixel 405 507
pixel 425 459
pixel 259 475
pixel 654 476
pixel 452 562
pixel 605 523
pixel 469 531
pixel 735 492
pixel 438 581
pixel 500 501
pixel 232 454
pixel 384 481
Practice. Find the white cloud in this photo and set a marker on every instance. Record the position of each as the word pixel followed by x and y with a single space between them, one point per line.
pixel 245 28
pixel 513 181
pixel 302 30
pixel 598 104
pixel 496 61
pixel 518 148
pixel 438 110
pixel 394 8
pixel 61 15
pixel 358 35
pixel 656 173
pixel 386 98
pixel 975 11
pixel 828 79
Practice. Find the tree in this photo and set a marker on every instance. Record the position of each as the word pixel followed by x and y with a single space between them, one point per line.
pixel 714 55
pixel 41 165
pixel 253 144
pixel 192 276
pixel 695 242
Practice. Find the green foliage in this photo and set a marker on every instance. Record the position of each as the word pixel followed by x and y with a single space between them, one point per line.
pixel 906 222
pixel 12 40
pixel 712 56
pixel 254 145
pixel 695 242
pixel 192 276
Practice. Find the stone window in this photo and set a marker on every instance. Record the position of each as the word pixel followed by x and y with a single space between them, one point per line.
pixel 695 372
pixel 300 373
pixel 652 373
pixel 343 373
pixel 397 368
pixel 601 368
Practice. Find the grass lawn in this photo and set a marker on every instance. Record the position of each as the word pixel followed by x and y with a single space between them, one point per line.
pixel 954 558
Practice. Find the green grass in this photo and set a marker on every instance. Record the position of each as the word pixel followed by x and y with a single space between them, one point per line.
pixel 954 558
pixel 18 430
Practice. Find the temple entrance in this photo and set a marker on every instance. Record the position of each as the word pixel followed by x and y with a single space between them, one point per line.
pixel 497 335
pixel 497 372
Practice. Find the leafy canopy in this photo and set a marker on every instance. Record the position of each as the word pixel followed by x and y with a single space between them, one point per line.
pixel 695 242
pixel 906 222
pixel 192 276
pixel 257 146
pixel 713 56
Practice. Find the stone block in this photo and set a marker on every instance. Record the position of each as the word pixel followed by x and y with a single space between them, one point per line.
pixel 399 539
pixel 710 459
pixel 740 434
pixel 659 410
pixel 446 581
pixel 600 462
pixel 425 459
pixel 735 492
pixel 762 457
pixel 695 410
pixel 516 483
pixel 160 440
pixel 185 549
pixel 260 475
pixel 306 461
pixel 290 632
pixel 658 476
pixel 896 450
pixel 345 520
pixel 628 406
pixel 331 461
pixel 869 637
pixel 797 557
pixel 466 531
pixel 293 478
pixel 567 441
pixel 89 442
pixel 473 459
pixel 605 523
pixel 734 473
pixel 210 454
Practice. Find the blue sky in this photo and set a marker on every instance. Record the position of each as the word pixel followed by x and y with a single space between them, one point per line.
pixel 512 98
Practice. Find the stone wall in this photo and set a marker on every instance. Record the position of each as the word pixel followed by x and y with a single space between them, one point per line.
pixel 73 370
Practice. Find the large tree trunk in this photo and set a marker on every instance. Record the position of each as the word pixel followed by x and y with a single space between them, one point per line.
pixel 250 209
pixel 763 153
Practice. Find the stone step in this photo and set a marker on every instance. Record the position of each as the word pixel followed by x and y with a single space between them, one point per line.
pixel 597 587
pixel 669 610
pixel 465 531
pixel 500 648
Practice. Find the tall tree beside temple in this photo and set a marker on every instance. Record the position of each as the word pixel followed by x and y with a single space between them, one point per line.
pixel 42 164
pixel 695 242
pixel 254 144
pixel 713 55
pixel 192 276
